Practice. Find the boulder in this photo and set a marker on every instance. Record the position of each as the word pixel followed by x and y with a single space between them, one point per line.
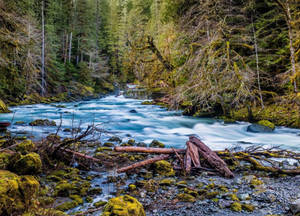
pixel 164 168
pixel 263 126
pixel 42 122
pixel 156 144
pixel 123 206
pixel 17 193
pixel 4 160
pixel 3 107
pixel 295 206
pixel 29 164
pixel 25 146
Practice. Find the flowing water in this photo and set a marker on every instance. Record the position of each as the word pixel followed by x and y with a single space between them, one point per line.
pixel 129 118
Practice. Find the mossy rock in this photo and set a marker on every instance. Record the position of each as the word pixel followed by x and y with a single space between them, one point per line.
pixel 63 189
pixel 164 168
pixel 248 207
pixel 186 197
pixel 25 147
pixel 123 206
pixel 115 139
pixel 77 198
pixel 190 192
pixel 102 149
pixel 131 142
pixel 42 122
pixel 233 197
pixel 67 205
pixel 156 144
pixel 181 184
pixel 267 123
pixel 4 160
pixel 99 204
pixel 95 191
pixel 147 103
pixel 108 144
pixel 16 192
pixel 131 187
pixel 29 164
pixel 236 206
pixel 167 182
pixel 3 107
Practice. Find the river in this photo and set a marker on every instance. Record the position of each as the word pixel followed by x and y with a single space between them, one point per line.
pixel 128 118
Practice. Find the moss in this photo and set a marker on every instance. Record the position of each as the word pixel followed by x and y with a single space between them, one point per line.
pixel 101 149
pixel 157 144
pixel 147 103
pixel 248 207
pixel 236 206
pixel 77 198
pixel 4 160
pixel 150 186
pixel 131 142
pixel 115 139
pixel 254 182
pixel 45 201
pixel 147 175
pixel 63 189
pixel 223 189
pixel 95 191
pixel 164 168
pixel 89 199
pixel 25 147
pixel 181 184
pixel 3 107
pixel 186 197
pixel 99 204
pixel 167 182
pixel 233 197
pixel 213 194
pixel 67 205
pixel 210 186
pixel 28 164
pixel 108 144
pixel 191 192
pixel 132 187
pixel 42 122
pixel 123 206
pixel 267 123
pixel 16 192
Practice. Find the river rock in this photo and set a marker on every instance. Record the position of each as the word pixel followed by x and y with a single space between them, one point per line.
pixel 295 206
pixel 256 128
pixel 123 205
pixel 16 192
pixel 133 111
pixel 42 122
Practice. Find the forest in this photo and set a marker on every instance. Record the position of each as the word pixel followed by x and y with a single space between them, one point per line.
pixel 68 117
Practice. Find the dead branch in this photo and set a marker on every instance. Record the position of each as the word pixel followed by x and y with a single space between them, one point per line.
pixel 212 158
pixel 143 163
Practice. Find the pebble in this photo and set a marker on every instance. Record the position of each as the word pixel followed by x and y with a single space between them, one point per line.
pixel 295 206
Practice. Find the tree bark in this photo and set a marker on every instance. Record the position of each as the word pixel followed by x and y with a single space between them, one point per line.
pixel 143 163
pixel 149 150
pixel 212 158
pixel 154 49
pixel 70 47
pixel 43 48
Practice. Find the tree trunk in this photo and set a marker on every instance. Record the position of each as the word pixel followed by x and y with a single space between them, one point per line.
pixel 149 150
pixel 70 47
pixel 292 49
pixel 212 158
pixel 154 49
pixel 43 48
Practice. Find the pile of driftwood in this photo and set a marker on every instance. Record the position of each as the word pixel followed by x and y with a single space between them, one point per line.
pixel 196 157
pixel 189 158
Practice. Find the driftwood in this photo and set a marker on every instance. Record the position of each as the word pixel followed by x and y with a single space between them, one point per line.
pixel 149 150
pixel 83 156
pixel 143 163
pixel 195 150
pixel 212 158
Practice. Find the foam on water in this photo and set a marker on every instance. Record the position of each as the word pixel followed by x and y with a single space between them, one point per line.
pixel 148 123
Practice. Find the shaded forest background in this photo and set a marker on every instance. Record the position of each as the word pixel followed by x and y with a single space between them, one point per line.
pixel 222 57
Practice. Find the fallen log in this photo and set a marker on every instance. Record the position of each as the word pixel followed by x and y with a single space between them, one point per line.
pixel 212 158
pixel 149 150
pixel 143 163
pixel 80 155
